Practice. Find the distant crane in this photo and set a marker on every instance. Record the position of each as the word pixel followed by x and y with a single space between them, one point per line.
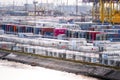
pixel 106 11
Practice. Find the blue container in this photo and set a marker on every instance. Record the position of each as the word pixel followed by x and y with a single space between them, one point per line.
pixel 67 33
pixel 116 27
pixel 20 29
pixel 119 31
pixel 3 27
pixel 37 30
pixel 75 34
pixel 0 26
pixel 113 37
pixel 48 33
pixel 29 29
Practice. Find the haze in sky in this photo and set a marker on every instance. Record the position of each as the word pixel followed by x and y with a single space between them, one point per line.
pixel 22 2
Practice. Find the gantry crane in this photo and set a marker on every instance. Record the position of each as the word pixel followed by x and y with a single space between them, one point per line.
pixel 106 11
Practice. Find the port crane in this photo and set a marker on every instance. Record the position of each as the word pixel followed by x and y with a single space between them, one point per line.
pixel 106 11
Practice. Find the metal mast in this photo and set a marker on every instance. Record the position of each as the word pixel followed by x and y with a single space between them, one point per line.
pixel 34 2
pixel 26 5
pixel 13 5
pixel 76 7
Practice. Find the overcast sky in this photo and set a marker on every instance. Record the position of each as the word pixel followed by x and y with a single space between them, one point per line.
pixel 21 2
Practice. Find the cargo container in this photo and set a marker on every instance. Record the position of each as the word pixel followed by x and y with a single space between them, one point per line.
pixel 92 35
pixel 112 36
pixel 3 27
pixel 116 27
pixel 47 31
pixel 101 36
pixel 79 56
pixel 88 48
pixel 101 42
pixel 89 35
pixel 7 45
pixel 111 58
pixel 87 57
pixel 75 34
pixel 29 29
pixel 41 51
pixel 58 31
pixel 68 33
pixel 108 36
pixel 84 25
pixel 2 32
pixel 71 55
pixel 100 27
pixel 68 26
pixel 37 30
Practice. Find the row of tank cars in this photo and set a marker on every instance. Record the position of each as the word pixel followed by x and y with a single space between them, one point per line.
pixel 103 52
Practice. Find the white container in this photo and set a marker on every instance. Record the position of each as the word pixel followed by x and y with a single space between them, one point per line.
pixel 70 55
pixel 88 49
pixel 6 45
pixel 98 43
pixel 2 32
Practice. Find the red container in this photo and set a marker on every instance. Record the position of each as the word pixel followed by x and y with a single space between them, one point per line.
pixel 92 35
pixel 59 31
pixel 14 28
pixel 46 30
pixel 91 29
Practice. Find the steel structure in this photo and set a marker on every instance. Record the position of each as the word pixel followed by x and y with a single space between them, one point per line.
pixel 106 11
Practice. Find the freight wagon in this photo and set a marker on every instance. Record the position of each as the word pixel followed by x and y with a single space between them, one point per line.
pixel 89 35
pixel 59 53
pixel 107 57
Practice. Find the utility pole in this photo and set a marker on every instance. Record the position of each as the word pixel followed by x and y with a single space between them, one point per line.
pixel 26 5
pixel 13 5
pixel 76 7
pixel 26 10
pixel 47 4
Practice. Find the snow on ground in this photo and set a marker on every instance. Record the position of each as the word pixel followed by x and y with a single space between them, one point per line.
pixel 18 71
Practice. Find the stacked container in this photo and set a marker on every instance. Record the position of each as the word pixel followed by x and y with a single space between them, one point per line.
pixel 47 31
pixel 58 31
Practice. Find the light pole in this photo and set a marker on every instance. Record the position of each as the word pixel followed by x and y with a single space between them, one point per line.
pixel 26 5
pixel 13 5
pixel 76 7
pixel 34 2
